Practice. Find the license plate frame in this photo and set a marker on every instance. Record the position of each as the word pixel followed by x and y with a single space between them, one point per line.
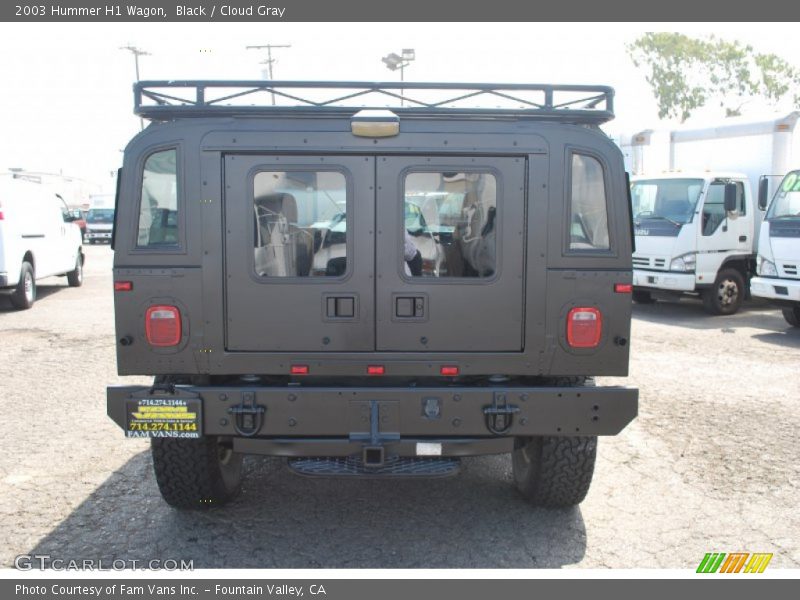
pixel 155 417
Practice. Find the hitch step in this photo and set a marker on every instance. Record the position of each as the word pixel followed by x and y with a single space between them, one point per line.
pixel 395 466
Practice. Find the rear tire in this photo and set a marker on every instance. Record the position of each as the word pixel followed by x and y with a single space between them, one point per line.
pixel 725 296
pixel 792 316
pixel 25 294
pixel 75 277
pixel 642 297
pixel 554 472
pixel 196 473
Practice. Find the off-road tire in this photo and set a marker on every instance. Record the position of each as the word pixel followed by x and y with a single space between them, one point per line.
pixel 555 471
pixel 643 297
pixel 75 277
pixel 196 473
pixel 726 295
pixel 25 293
pixel 792 316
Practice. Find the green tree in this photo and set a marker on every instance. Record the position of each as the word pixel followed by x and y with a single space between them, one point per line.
pixel 687 73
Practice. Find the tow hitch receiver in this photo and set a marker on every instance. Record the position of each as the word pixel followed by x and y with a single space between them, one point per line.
pixel 248 416
pixel 500 414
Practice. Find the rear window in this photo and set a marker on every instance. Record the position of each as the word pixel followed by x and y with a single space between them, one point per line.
pixel 158 211
pixel 300 223
pixel 588 205
pixel 450 224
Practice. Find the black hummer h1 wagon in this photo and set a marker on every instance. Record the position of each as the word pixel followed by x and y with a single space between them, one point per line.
pixel 372 290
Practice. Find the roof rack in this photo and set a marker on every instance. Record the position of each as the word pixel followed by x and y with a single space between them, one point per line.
pixel 169 100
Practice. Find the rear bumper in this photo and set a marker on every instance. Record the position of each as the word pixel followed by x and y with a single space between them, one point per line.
pixel 339 421
pixel 784 291
pixel 664 280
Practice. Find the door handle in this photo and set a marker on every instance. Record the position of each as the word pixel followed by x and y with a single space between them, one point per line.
pixel 742 238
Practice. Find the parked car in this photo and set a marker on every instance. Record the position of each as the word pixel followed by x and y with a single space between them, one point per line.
pixel 38 239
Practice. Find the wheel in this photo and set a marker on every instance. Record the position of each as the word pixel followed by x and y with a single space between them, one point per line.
pixel 25 294
pixel 196 473
pixel 725 296
pixel 643 297
pixel 792 316
pixel 554 472
pixel 75 277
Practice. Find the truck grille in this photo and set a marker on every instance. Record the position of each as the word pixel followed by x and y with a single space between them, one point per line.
pixel 652 263
pixel 396 466
pixel 790 270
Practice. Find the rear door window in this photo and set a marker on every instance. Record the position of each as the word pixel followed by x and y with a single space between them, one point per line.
pixel 450 225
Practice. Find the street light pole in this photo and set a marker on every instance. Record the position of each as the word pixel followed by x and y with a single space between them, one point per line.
pixel 136 54
pixel 394 62
pixel 269 60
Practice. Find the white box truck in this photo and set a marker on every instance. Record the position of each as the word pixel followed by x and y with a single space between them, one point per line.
pixel 778 263
pixel 38 239
pixel 100 218
pixel 695 218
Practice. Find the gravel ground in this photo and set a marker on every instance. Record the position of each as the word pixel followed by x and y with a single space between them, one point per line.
pixel 711 464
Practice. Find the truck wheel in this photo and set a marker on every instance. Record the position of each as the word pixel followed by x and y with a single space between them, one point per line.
pixel 75 277
pixel 25 294
pixel 792 316
pixel 196 473
pixel 554 472
pixel 642 297
pixel 725 296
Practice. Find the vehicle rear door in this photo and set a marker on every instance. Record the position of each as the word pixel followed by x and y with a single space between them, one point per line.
pixel 299 253
pixel 449 253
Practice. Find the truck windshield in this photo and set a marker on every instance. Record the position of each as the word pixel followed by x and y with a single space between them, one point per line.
pixel 670 199
pixel 100 215
pixel 786 203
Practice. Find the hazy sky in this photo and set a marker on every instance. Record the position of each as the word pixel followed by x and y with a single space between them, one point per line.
pixel 67 101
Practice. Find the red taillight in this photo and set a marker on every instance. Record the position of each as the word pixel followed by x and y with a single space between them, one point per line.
pixel 299 369
pixel 584 327
pixel 449 371
pixel 123 286
pixel 376 369
pixel 623 288
pixel 162 325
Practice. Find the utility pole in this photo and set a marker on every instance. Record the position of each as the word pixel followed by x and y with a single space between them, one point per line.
pixel 269 60
pixel 136 54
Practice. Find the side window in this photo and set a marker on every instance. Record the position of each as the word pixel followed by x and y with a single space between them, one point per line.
pixel 714 206
pixel 588 225
pixel 450 225
pixel 300 223
pixel 158 210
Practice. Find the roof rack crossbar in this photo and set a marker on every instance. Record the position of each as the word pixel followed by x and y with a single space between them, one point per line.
pixel 583 104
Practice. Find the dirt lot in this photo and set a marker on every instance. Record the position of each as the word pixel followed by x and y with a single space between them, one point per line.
pixel 711 464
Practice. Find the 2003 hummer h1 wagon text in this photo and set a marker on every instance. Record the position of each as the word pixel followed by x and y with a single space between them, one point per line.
pixel 372 291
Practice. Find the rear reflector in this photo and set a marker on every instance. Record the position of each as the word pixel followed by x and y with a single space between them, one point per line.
pixel 123 286
pixel 299 370
pixel 449 371
pixel 376 370
pixel 162 325
pixel 623 288
pixel 584 327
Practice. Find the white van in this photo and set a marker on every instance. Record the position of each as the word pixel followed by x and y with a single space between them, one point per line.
pixel 37 239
